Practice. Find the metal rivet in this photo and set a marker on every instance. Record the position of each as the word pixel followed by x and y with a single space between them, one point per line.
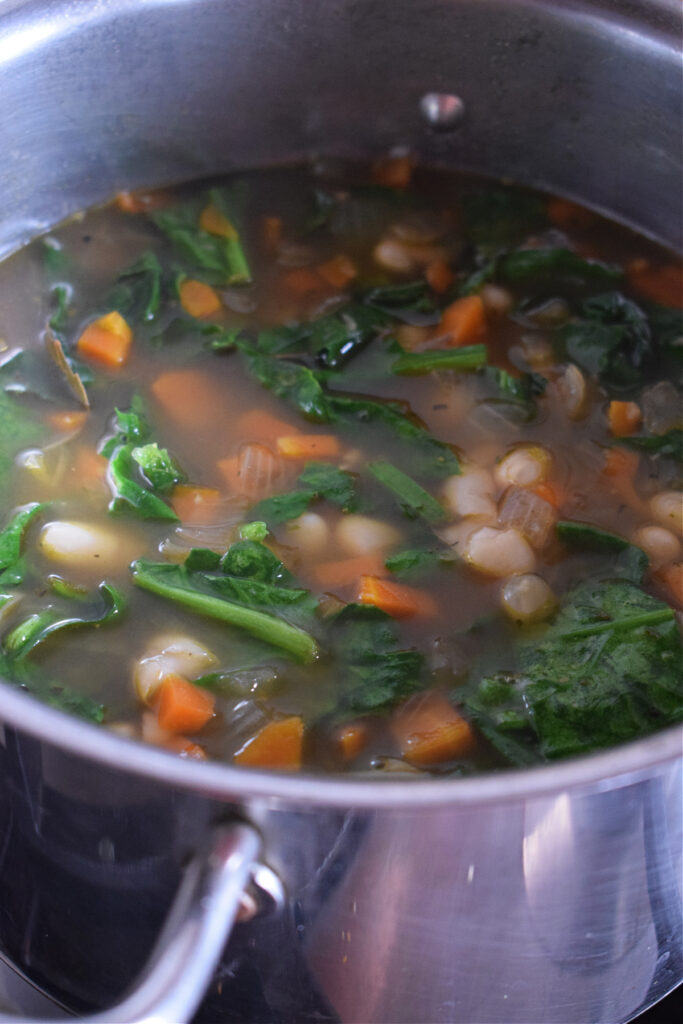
pixel 443 111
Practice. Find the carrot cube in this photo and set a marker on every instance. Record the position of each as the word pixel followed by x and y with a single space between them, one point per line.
pixel 464 321
pixel 182 706
pixel 338 272
pixel 107 340
pixel 429 730
pixel 396 599
pixel 308 446
pixel 277 745
pixel 624 418
pixel 195 504
pixel 198 299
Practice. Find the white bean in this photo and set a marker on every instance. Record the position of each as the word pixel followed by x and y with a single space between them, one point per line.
pixel 170 655
pixel 309 532
pixel 658 543
pixel 527 598
pixel 573 392
pixel 86 546
pixel 525 466
pixel 667 508
pixel 361 535
pixel 496 299
pixel 499 552
pixel 471 494
pixel 394 256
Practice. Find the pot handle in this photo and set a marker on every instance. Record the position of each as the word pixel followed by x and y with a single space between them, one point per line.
pixel 181 965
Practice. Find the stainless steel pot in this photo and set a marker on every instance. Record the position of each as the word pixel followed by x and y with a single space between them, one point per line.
pixel 551 895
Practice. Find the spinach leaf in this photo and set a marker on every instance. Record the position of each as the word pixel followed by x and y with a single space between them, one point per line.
pixel 496 219
pixel 33 631
pixel 557 270
pixel 130 495
pixel 412 562
pixel 409 303
pixel 130 427
pixel 631 561
pixel 375 672
pixel 319 481
pixel 518 393
pixel 337 338
pixel 606 671
pixel 160 471
pixel 611 339
pixel 137 292
pixel 19 428
pixel 59 317
pixel 669 445
pixel 469 357
pixel 250 578
pixel 295 384
pixel 27 677
pixel 12 565
pixel 413 498
pixel 283 507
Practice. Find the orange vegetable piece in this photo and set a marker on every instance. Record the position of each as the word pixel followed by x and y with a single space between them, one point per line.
pixel 393 171
pixel 338 271
pixel 88 469
pixel 464 321
pixel 308 446
pixel 565 214
pixel 259 425
pixel 141 202
pixel 198 299
pixel 346 571
pixel 552 493
pixel 182 706
pixel 277 745
pixel 216 223
pixel 271 232
pixel 429 730
pixel 439 276
pixel 254 472
pixel 396 599
pixel 107 340
pixel 195 504
pixel 185 748
pixel 301 281
pixel 350 739
pixel 620 469
pixel 68 419
pixel 624 418
pixel 186 396
pixel 661 284
pixel 671 579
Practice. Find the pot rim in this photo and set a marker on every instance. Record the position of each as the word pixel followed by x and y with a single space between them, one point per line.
pixel 604 770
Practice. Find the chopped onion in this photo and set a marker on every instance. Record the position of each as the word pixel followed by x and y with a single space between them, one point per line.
pixel 170 655
pixel 661 405
pixel 527 512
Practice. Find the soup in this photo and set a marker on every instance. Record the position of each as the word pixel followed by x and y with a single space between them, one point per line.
pixel 347 470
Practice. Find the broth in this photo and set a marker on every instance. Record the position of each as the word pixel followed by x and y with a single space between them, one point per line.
pixel 379 472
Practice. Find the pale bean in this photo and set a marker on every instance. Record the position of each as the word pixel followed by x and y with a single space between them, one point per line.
pixel 499 552
pixel 659 544
pixel 86 546
pixel 309 532
pixel 394 256
pixel 170 655
pixel 471 494
pixel 527 598
pixel 361 535
pixel 496 299
pixel 667 508
pixel 525 466
pixel 573 392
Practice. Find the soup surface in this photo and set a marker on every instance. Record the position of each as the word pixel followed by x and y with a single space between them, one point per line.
pixel 345 469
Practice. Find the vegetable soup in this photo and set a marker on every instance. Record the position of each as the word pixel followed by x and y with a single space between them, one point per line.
pixel 345 469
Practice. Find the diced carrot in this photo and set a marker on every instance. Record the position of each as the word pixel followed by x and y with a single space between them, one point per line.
pixel 198 299
pixel 260 425
pixel 271 233
pixel 89 469
pixel 464 321
pixel 182 706
pixel 195 504
pixel 350 739
pixel 185 748
pixel 620 469
pixel 302 281
pixel 187 396
pixel 338 272
pixel 439 276
pixel 308 446
pixel 394 171
pixel 346 571
pixel 624 418
pixel 552 493
pixel 255 471
pixel 429 730
pixel 67 419
pixel 106 340
pixel 396 599
pixel 277 745
pixel 662 284
pixel 671 579
pixel 565 214
pixel 216 223
pixel 141 202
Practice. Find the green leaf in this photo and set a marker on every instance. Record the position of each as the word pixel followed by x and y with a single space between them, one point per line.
pixel 410 302
pixel 257 531
pixel 60 296
pixel 338 337
pixel 295 384
pixel 27 677
pixel 606 671
pixel 496 219
pixel 519 394
pixel 413 562
pixel 12 568
pixel 413 498
pixel 669 445
pixel 160 470
pixel 137 292
pixel 469 357
pixel 557 270
pixel 611 339
pixel 329 482
pixel 131 427
pixel 33 631
pixel 283 507
pixel 631 562
pixel 18 429
pixel 128 494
